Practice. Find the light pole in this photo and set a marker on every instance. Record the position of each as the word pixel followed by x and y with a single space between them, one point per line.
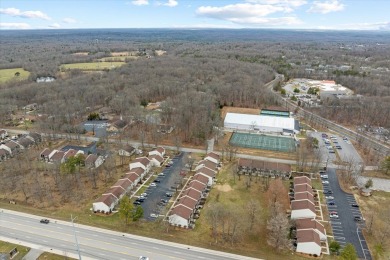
pixel 74 231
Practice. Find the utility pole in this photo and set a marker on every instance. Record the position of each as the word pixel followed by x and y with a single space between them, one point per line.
pixel 75 236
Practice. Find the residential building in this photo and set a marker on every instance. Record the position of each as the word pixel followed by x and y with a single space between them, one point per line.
pixel 308 242
pixel 142 162
pixel 105 203
pixel 126 151
pixel 93 161
pixel 180 216
pixel 302 209
pixel 311 224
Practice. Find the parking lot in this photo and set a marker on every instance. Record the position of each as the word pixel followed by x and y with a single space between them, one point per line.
pixel 155 194
pixel 345 228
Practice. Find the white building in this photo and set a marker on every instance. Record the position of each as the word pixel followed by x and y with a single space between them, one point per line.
pixel 302 209
pixel 105 203
pixel 311 224
pixel 267 124
pixel 212 157
pixel 181 216
pixel 142 162
pixel 308 242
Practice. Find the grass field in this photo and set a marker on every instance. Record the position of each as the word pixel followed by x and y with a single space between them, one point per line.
pixel 9 74
pixel 118 58
pixel 92 65
pixel 273 143
pixel 6 247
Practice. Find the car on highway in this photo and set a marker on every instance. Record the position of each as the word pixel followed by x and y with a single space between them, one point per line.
pixel 45 221
pixel 324 176
pixel 143 258
pixel 325 182
pixel 355 205
pixel 153 184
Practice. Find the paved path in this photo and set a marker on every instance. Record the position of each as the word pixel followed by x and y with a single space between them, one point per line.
pixel 378 183
pixel 33 254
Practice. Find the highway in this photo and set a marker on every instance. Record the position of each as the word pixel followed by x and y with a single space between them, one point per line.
pixel 95 243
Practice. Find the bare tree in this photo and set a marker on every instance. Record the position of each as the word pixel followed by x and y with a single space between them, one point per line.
pixel 253 208
pixel 278 227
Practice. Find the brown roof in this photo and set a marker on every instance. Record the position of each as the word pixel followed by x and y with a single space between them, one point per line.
pixel 213 155
pixel 25 142
pixel 209 164
pixel 302 204
pixel 302 180
pixel 120 124
pixel 201 178
pixel 264 165
pixel 200 186
pixel 107 199
pixel 57 156
pixel 37 137
pixel 91 158
pixel 124 183
pixel 46 152
pixel 182 211
pixel 160 149
pixel 245 162
pixel 192 193
pixel 303 188
pixel 116 191
pixel 128 148
pixel 2 131
pixel 304 196
pixel 3 152
pixel 132 176
pixel 304 236
pixel 206 171
pixel 137 171
pixel 70 153
pixel 157 157
pixel 188 202
pixel 143 160
pixel 11 144
pixel 308 223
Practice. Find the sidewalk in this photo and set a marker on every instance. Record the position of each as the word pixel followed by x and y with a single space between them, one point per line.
pixel 33 254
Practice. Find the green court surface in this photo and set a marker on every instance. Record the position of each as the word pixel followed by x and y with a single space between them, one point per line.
pixel 264 142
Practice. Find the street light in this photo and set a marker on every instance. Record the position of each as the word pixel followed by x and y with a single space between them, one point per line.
pixel 74 231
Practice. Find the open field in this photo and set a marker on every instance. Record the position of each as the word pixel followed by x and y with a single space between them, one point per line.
pixel 92 65
pixel 124 53
pixel 6 247
pixel 118 58
pixel 240 110
pixel 80 54
pixel 9 74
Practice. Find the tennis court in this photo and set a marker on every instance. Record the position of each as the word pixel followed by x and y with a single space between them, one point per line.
pixel 264 142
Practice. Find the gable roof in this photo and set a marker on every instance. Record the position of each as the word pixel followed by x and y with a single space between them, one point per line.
pixel 201 178
pixel 213 155
pixel 25 142
pixel 302 204
pixel 3 152
pixel 37 137
pixel 308 223
pixel 143 160
pixel 206 171
pixel 132 177
pixel 304 196
pixel 157 157
pixel 192 193
pixel 302 180
pixel 138 171
pixel 187 202
pixel 303 188
pixel 209 164
pixel 160 149
pixel 116 191
pixel 70 153
pixel 119 124
pixel 124 183
pixel 107 199
pixel 304 236
pixel 128 148
pixel 11 144
pixel 46 152
pixel 197 185
pixel 56 157
pixel 91 158
pixel 182 211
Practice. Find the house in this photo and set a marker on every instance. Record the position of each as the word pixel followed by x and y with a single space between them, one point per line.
pixel 45 154
pixel 117 126
pixel 304 196
pixel 37 138
pixel 3 133
pixel 197 185
pixel 302 180
pixel 134 178
pixel 212 157
pixel 208 164
pixel 210 174
pixel 125 183
pixel 164 129
pixel 180 216
pixel 308 242
pixel 302 209
pixel 311 224
pixel 25 142
pixel 264 166
pixel 118 192
pixel 201 178
pixel 93 161
pixel 156 160
pixel 126 151
pixel 158 151
pixel 68 154
pixel 105 203
pixel 192 193
pixel 4 155
pixel 142 162
pixel 188 202
pixel 12 147
pixel 56 156
pixel 139 171
pixel 303 188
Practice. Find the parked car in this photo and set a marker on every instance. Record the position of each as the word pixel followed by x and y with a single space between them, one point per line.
pixel 157 180
pixel 325 182
pixel 324 176
pixel 328 192
pixel 161 174
pixel 144 195
pixel 329 197
pixel 153 184
pixel 137 202
pixel 355 205
pixel 164 200
pixel 45 221
pixel 334 216
pixel 152 215
pixel 331 203
pixel 168 194
pixel 357 218
pixel 339 147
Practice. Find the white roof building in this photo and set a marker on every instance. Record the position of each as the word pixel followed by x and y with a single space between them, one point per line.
pixel 260 123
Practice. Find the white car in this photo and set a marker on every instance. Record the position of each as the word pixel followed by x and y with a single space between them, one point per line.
pixel 325 182
pixel 153 184
pixel 152 215
pixel 329 197
pixel 324 176
pixel 334 216
pixel 161 174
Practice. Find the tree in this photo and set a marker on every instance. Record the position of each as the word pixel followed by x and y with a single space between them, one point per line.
pixel 278 227
pixel 17 74
pixel 296 90
pixel 126 209
pixel 253 209
pixel 137 213
pixel 349 252
pixel 283 92
pixel 334 247
pixel 368 184
pixel 385 165
pixel 93 116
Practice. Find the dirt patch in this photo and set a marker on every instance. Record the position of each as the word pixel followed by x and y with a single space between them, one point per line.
pixel 224 187
pixel 118 54
pixel 241 110
pixel 160 52
pixel 80 54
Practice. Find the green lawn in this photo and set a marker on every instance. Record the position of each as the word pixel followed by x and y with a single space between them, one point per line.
pixel 9 74
pixel 49 256
pixel 6 247
pixel 92 65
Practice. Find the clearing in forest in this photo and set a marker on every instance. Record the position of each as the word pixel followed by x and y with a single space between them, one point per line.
pixel 13 74
pixel 92 65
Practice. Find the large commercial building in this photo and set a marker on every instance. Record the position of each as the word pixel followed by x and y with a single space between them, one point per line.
pixel 261 123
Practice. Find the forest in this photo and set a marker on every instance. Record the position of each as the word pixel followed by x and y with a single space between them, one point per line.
pixel 202 71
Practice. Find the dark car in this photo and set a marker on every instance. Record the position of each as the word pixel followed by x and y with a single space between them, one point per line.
pixel 45 221
pixel 141 199
pixel 168 194
pixel 328 192
pixel 331 203
pixel 358 219
pixel 157 180
pixel 137 202
pixel 164 201
pixel 355 205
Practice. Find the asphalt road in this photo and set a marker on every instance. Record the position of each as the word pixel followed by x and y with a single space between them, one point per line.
pixel 95 243
pixel 345 229
pixel 155 194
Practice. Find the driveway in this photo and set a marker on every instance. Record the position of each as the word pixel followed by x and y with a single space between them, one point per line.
pixel 345 229
pixel 155 194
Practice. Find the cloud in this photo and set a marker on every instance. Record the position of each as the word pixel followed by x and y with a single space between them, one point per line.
pixel 25 14
pixel 326 7
pixel 171 3
pixel 292 3
pixel 140 2
pixel 54 26
pixel 14 26
pixel 69 20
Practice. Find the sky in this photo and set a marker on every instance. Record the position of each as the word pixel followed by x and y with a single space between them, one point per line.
pixel 278 14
